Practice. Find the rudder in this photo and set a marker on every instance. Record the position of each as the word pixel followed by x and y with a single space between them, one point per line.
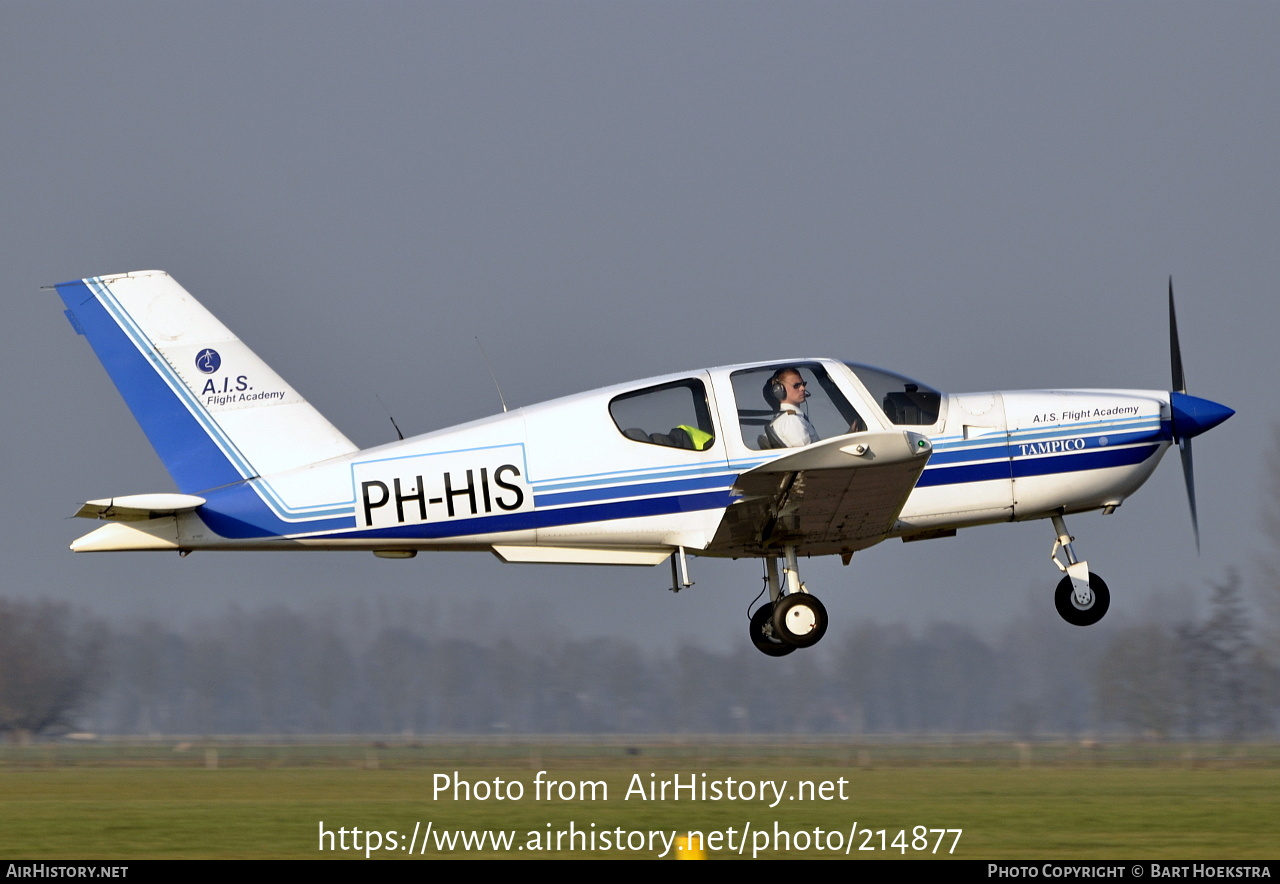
pixel 214 412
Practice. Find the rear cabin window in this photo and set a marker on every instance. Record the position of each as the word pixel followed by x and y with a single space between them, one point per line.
pixel 674 415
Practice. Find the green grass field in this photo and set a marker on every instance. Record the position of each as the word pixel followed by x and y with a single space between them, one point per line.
pixel 1051 801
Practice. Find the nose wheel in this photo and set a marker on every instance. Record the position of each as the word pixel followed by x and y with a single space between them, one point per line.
pixel 1067 601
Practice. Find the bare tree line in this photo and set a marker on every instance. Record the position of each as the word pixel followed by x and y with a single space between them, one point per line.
pixel 49 666
pixel 275 671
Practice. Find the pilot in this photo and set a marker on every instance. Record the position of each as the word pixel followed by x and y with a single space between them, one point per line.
pixel 790 428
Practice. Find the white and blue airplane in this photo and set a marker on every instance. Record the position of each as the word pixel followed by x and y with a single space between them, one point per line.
pixel 636 474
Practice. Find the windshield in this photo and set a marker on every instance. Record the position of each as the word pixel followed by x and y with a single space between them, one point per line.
pixel 905 402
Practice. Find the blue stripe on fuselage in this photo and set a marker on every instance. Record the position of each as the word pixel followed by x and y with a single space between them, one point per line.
pixel 238 513
pixel 958 475
pixel 950 453
pixel 553 518
pixel 615 477
pixel 1023 467
pixel 639 489
pixel 1089 460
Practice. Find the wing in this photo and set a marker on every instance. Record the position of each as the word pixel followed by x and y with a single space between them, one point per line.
pixel 836 496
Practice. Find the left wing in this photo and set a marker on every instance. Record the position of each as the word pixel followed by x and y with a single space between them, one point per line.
pixel 836 496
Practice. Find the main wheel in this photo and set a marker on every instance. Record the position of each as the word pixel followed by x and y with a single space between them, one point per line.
pixel 767 644
pixel 799 619
pixel 1064 599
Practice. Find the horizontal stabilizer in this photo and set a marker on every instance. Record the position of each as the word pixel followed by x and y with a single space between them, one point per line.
pixel 138 507
pixel 153 534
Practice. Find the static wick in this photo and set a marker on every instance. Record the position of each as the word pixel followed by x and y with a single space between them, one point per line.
pixel 485 357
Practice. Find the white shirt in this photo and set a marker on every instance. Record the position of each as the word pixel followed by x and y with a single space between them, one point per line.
pixel 792 428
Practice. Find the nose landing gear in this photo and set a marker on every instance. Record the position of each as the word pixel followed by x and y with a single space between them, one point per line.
pixel 1082 598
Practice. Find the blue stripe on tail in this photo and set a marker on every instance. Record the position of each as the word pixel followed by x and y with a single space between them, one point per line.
pixel 192 458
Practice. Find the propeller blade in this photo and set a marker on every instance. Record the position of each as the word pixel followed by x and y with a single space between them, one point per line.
pixel 1188 472
pixel 1175 350
pixel 1189 416
pixel 1179 385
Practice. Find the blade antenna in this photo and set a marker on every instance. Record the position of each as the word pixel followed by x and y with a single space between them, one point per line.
pixel 485 357
pixel 388 411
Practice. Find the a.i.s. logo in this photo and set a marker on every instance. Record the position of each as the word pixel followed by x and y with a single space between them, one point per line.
pixel 208 360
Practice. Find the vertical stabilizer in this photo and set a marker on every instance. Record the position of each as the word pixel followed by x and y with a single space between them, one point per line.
pixel 213 411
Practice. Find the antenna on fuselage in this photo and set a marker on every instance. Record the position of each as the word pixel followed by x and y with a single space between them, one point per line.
pixel 388 411
pixel 485 357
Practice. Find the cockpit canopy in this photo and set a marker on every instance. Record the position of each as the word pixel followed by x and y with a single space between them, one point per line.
pixel 827 408
pixel 678 412
pixel 905 402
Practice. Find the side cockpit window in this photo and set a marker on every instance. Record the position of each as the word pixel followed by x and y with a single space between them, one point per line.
pixel 763 397
pixel 675 415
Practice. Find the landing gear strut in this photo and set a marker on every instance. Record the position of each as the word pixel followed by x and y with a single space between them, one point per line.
pixel 1082 598
pixel 792 618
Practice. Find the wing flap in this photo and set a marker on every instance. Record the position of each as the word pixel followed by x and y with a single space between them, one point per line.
pixel 836 496
pixel 561 555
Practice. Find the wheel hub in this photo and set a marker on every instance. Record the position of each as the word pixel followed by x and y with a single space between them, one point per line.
pixel 801 620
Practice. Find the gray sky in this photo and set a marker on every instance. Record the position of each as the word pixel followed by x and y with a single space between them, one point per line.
pixel 982 195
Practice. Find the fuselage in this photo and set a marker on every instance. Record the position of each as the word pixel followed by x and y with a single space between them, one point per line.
pixel 635 470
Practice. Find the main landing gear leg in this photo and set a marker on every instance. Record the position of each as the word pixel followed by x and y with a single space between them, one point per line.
pixel 1082 598
pixel 792 618
pixel 763 635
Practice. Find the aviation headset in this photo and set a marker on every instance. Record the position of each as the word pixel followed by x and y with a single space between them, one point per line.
pixel 777 389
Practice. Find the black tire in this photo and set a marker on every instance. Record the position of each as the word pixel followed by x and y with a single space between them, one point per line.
pixel 766 644
pixel 799 619
pixel 1065 603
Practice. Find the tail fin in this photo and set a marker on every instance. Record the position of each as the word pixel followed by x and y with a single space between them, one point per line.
pixel 213 411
